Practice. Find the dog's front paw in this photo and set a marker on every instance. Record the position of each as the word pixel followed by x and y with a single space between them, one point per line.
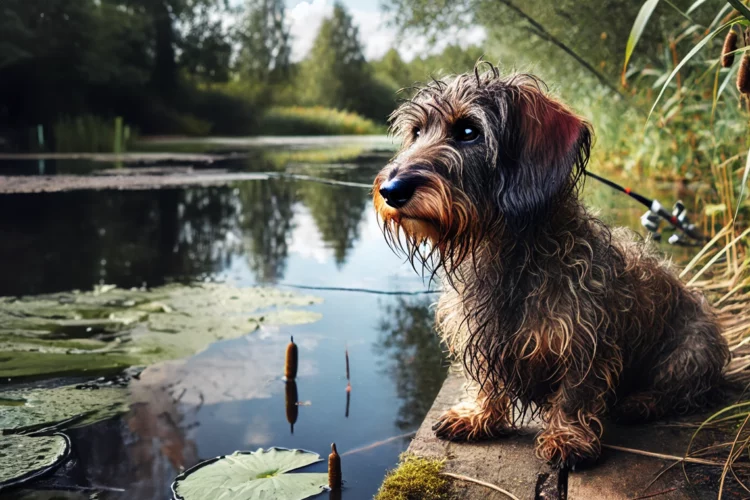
pixel 572 448
pixel 468 422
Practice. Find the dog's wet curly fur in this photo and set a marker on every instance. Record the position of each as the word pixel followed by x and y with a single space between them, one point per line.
pixel 551 312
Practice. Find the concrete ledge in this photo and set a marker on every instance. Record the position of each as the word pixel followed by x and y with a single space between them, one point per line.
pixel 511 464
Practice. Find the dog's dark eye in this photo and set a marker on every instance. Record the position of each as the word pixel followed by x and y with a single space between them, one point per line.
pixel 466 132
pixel 416 133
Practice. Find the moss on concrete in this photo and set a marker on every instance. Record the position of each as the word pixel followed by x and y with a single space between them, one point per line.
pixel 415 478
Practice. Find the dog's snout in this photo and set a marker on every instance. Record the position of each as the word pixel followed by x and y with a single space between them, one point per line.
pixel 397 192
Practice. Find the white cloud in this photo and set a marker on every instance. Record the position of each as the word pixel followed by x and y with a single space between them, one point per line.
pixel 376 36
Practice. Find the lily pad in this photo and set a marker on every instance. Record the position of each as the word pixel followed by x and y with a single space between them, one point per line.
pixel 23 458
pixel 262 474
pixel 31 409
pixel 110 328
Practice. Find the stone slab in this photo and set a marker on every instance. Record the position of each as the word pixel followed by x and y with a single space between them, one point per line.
pixel 511 464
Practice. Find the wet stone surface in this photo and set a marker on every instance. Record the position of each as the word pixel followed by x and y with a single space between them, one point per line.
pixel 510 462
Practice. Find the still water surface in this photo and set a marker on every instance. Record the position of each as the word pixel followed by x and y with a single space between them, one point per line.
pixel 231 396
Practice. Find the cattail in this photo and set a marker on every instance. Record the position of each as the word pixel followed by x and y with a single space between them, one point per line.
pixel 334 469
pixel 292 410
pixel 290 369
pixel 743 75
pixel 346 353
pixel 348 400
pixel 727 53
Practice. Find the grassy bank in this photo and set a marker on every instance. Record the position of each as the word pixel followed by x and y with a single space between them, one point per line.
pixel 297 120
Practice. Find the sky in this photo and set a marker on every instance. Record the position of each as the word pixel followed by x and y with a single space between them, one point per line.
pixel 376 36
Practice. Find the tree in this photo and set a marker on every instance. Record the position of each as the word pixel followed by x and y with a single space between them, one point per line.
pixel 335 70
pixel 563 39
pixel 206 47
pixel 265 42
pixel 391 67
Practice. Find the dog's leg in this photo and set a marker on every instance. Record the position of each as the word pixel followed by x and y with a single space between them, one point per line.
pixel 686 377
pixel 570 438
pixel 484 418
pixel 572 417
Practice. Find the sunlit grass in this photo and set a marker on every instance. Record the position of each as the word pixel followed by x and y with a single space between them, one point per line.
pixel 298 120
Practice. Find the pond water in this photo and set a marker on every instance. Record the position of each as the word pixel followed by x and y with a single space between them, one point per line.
pixel 288 233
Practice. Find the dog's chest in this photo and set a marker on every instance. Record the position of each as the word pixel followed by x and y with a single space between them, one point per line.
pixel 499 342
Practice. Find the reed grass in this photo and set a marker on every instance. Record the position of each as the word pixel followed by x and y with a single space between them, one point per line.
pixel 90 134
pixel 699 121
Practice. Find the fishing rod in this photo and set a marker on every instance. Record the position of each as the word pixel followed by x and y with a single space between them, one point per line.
pixel 656 213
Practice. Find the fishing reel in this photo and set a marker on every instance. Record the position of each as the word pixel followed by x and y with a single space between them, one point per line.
pixel 689 235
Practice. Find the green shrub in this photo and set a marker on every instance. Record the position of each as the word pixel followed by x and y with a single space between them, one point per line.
pixel 230 109
pixel 295 120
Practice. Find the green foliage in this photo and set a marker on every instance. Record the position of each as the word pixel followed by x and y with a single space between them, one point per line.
pixel 86 133
pixel 206 47
pixel 415 478
pixel 336 75
pixel 638 26
pixel 336 67
pixel 452 60
pixel 316 120
pixel 265 42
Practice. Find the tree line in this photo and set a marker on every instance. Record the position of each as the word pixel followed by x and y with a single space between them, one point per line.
pixel 186 66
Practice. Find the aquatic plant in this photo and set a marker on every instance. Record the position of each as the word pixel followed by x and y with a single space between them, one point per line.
pixel 334 469
pixel 89 133
pixel 108 328
pixel 24 458
pixel 251 476
pixel 290 366
pixel 26 410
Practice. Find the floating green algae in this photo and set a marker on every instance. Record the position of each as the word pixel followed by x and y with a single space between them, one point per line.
pixel 27 410
pixel 110 328
pixel 23 458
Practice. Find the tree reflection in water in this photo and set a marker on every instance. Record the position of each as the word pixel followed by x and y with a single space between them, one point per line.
pixel 337 212
pixel 266 224
pixel 413 355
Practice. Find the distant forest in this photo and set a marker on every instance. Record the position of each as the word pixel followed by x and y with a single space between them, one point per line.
pixel 178 66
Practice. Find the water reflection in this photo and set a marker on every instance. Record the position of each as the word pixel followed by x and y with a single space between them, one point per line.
pixel 266 224
pixel 413 357
pixel 76 240
pixel 291 398
pixel 337 212
pixel 56 242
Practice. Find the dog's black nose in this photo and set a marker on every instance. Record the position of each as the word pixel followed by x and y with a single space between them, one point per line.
pixel 397 192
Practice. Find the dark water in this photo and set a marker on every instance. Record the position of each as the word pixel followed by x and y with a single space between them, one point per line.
pixel 276 232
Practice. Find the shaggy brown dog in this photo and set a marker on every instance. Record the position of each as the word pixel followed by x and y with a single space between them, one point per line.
pixel 549 310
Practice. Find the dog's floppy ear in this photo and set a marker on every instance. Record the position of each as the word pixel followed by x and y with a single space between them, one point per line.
pixel 549 151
